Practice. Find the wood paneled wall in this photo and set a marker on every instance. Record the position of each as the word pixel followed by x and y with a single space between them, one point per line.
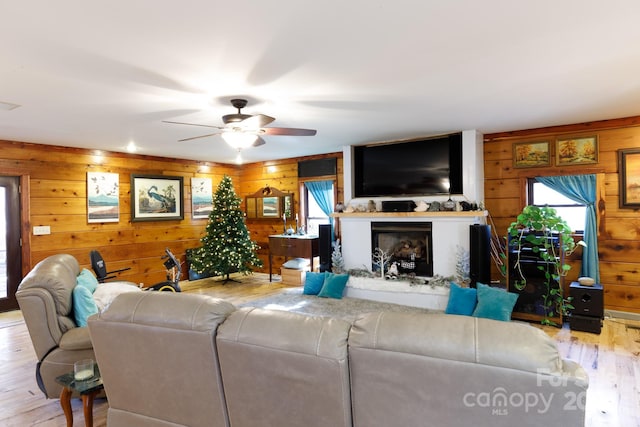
pixel 56 195
pixel 619 229
pixel 283 175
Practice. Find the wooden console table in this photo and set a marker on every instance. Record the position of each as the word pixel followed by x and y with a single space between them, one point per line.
pixel 293 246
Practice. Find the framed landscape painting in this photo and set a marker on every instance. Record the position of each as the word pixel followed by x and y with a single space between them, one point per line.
pixel 103 197
pixel 156 198
pixel 629 178
pixel 201 197
pixel 577 151
pixel 270 207
pixel 531 154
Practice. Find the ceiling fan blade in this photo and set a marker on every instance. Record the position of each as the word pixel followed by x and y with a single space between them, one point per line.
pixel 191 124
pixel 258 142
pixel 288 131
pixel 256 122
pixel 198 137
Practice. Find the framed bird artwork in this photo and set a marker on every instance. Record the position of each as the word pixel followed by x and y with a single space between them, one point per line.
pixel 156 198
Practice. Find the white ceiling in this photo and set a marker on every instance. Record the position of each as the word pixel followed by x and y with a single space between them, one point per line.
pixel 104 74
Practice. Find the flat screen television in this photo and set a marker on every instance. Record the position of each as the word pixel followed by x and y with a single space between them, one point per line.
pixel 425 167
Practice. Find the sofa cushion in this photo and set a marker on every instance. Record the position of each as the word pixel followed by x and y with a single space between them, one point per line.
pixel 285 369
pixel 461 300
pixel 494 303
pixel 411 369
pixel 166 310
pixel 313 283
pixel 512 345
pixel 333 286
pixel 157 356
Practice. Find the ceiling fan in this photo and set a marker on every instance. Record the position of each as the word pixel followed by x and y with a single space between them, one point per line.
pixel 245 130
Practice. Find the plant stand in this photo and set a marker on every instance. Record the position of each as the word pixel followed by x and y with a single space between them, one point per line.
pixel 530 304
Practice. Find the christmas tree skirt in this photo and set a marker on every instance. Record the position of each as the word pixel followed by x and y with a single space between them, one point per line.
pixel 346 308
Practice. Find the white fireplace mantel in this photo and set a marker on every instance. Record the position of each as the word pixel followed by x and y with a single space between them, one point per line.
pixel 450 230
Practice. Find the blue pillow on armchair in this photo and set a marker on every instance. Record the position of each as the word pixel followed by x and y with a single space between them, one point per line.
pixel 82 297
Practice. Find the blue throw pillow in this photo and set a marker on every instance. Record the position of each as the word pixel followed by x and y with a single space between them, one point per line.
pixel 334 285
pixel 313 283
pixel 83 304
pixel 494 303
pixel 88 280
pixel 461 300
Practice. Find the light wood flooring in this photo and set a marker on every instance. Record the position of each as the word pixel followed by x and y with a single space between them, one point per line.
pixel 612 360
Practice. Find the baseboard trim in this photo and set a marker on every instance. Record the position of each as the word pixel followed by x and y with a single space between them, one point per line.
pixel 621 315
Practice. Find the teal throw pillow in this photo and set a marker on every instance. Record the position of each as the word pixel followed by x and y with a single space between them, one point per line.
pixel 88 280
pixel 313 283
pixel 494 303
pixel 334 285
pixel 461 300
pixel 83 304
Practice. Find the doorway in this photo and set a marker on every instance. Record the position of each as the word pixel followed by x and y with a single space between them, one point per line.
pixel 10 250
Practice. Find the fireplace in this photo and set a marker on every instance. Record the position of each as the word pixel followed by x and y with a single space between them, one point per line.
pixel 408 245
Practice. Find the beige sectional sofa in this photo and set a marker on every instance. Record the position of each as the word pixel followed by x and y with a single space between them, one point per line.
pixel 193 360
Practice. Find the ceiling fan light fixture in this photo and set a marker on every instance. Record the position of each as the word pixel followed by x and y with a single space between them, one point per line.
pixel 239 140
pixel 239 158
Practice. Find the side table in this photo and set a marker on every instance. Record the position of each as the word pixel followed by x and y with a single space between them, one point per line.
pixel 88 390
pixel 305 246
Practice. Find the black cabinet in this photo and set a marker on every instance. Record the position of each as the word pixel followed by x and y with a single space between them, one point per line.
pixel 531 297
pixel 588 307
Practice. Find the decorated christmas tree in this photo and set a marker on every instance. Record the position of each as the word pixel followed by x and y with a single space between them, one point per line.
pixel 227 247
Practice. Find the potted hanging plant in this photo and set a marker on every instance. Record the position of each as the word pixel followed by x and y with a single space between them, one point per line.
pixel 541 232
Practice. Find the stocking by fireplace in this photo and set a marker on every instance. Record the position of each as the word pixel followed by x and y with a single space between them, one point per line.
pixel 407 245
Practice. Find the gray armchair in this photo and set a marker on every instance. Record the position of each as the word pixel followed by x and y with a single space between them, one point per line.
pixel 45 298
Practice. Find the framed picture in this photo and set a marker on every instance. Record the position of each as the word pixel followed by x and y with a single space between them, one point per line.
pixel 156 198
pixel 577 151
pixel 270 207
pixel 103 197
pixel 531 154
pixel 201 197
pixel 629 170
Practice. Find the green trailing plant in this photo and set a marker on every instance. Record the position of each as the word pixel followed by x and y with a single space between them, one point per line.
pixel 543 232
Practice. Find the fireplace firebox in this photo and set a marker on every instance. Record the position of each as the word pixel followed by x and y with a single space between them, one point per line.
pixel 408 245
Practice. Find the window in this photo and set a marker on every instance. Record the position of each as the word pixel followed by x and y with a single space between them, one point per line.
pixel 311 210
pixel 572 212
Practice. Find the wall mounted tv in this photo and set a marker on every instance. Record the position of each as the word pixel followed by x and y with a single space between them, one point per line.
pixel 425 167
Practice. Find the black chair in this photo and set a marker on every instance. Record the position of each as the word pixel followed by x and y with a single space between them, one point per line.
pixel 100 268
